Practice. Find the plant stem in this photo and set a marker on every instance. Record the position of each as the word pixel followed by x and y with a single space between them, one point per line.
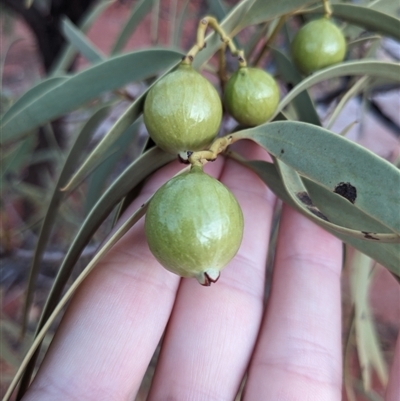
pixel 270 40
pixel 218 146
pixel 327 8
pixel 223 78
pixel 200 43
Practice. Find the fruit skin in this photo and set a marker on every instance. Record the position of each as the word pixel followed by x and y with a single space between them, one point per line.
pixel 251 96
pixel 318 44
pixel 183 111
pixel 194 226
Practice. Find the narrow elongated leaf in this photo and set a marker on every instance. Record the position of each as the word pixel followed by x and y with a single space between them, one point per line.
pixel 261 10
pixel 331 160
pixel 303 103
pixel 18 158
pixel 356 88
pixel 86 85
pixel 295 188
pixel 176 39
pixel 100 176
pixel 80 41
pixel 56 199
pixel 369 352
pixel 101 150
pixel 389 71
pixel 368 18
pixel 337 209
pixel 31 95
pixel 136 16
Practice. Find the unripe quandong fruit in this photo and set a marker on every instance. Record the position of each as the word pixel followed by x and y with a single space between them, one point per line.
pixel 251 96
pixel 318 44
pixel 183 111
pixel 194 226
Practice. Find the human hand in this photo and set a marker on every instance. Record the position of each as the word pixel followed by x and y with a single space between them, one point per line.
pixel 291 348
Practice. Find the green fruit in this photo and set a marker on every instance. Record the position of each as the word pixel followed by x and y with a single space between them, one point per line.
pixel 318 44
pixel 183 111
pixel 194 226
pixel 251 96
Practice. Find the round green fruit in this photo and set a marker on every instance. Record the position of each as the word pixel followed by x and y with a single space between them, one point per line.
pixel 318 44
pixel 183 111
pixel 194 226
pixel 251 96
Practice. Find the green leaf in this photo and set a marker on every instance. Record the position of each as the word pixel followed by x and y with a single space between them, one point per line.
pixel 369 351
pixel 136 16
pixel 80 41
pixel 100 177
pixel 31 95
pixel 368 18
pixel 329 159
pixel 389 71
pixel 86 85
pixel 56 198
pixel 303 103
pixel 261 10
pixel 177 34
pixel 337 209
pixel 358 86
pixel 297 191
pixel 16 159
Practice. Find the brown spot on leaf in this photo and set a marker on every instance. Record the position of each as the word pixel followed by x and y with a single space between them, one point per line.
pixel 306 200
pixel 346 190
pixel 282 151
pixel 369 235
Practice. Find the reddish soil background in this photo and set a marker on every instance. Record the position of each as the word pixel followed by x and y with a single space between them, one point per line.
pixel 22 67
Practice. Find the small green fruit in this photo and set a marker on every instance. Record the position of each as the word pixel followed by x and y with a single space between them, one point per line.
pixel 183 111
pixel 251 96
pixel 318 44
pixel 194 226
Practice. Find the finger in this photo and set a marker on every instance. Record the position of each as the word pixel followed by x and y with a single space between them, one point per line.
pixel 298 354
pixel 114 322
pixel 393 387
pixel 212 330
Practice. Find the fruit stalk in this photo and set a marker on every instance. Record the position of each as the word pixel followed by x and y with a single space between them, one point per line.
pixel 327 8
pixel 200 42
pixel 218 146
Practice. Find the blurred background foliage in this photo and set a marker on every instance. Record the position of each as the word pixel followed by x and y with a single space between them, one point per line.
pixel 74 76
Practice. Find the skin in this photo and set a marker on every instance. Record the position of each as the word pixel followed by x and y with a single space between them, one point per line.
pixel 291 346
pixel 318 44
pixel 251 96
pixel 183 111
